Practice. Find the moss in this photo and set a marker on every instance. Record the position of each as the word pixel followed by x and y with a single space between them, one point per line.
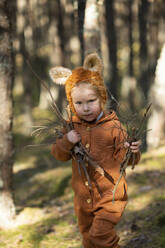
pixel 162 237
pixel 161 220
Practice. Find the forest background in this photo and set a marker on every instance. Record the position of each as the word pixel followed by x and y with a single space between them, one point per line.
pixel 36 200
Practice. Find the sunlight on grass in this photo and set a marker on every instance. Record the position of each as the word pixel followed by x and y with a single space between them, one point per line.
pixel 21 165
pixel 29 216
pixel 140 201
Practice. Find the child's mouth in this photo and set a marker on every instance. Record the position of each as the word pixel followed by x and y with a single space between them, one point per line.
pixel 87 115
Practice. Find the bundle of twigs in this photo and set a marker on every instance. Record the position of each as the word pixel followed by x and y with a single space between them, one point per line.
pixel 133 134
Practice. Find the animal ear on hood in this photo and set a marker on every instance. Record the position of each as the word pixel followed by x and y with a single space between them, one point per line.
pixel 59 74
pixel 93 62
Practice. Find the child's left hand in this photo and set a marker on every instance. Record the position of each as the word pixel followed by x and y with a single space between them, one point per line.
pixel 134 146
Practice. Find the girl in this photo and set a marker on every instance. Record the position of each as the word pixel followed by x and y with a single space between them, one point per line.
pixel 104 138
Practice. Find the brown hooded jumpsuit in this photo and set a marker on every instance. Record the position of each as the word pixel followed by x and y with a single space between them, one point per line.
pixel 96 213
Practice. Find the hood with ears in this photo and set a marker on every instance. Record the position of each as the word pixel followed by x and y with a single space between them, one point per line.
pixel 90 72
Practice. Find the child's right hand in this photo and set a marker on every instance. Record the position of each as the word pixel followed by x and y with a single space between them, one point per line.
pixel 73 136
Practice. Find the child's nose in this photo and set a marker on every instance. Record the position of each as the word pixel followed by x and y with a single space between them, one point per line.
pixel 86 107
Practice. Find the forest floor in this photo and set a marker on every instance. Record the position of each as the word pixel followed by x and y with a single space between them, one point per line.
pixel 44 203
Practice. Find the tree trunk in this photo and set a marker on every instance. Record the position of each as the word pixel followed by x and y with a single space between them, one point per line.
pixel 153 39
pixel 130 81
pixel 28 119
pixel 130 30
pixel 81 16
pixel 26 79
pixel 7 208
pixel 63 52
pixel 144 63
pixel 157 121
pixel 112 44
pixel 92 39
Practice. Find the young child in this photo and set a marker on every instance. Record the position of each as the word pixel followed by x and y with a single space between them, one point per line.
pixel 104 138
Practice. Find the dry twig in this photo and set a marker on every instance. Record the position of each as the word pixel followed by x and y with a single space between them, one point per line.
pixel 134 134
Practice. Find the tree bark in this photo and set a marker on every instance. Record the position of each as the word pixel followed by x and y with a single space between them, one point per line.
pixel 131 82
pixel 130 30
pixel 81 17
pixel 62 38
pixel 28 119
pixel 112 44
pixel 144 63
pixel 7 208
pixel 154 42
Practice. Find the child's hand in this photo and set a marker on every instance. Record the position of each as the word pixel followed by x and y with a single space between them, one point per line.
pixel 134 146
pixel 73 136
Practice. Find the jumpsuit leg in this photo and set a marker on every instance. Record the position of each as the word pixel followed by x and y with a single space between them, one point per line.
pixel 97 230
pixel 102 233
pixel 85 219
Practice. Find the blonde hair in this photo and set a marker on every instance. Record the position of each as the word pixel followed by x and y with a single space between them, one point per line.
pixel 90 86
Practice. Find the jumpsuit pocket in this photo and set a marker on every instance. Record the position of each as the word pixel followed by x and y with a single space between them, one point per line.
pixel 121 191
pixel 125 197
pixel 103 187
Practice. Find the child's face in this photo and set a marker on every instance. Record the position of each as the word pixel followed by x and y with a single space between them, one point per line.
pixel 86 102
